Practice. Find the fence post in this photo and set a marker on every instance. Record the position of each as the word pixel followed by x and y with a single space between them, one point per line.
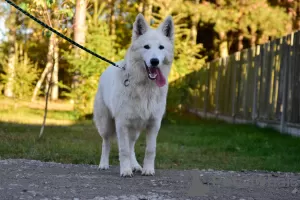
pixel 206 89
pixel 296 73
pixel 256 65
pixel 218 87
pixel 233 97
pixel 285 64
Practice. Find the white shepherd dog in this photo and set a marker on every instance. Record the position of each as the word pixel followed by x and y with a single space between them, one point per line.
pixel 132 100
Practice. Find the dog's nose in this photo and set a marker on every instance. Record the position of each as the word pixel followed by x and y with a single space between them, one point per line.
pixel 154 62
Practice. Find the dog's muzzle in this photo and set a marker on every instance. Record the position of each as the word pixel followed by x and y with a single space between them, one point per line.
pixel 152 71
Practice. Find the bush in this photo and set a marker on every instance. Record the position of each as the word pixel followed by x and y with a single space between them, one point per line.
pixel 99 40
pixel 25 73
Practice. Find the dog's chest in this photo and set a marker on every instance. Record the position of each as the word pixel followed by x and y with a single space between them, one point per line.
pixel 145 103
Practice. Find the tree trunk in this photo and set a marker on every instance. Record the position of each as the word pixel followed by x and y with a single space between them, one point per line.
pixel 54 88
pixel 47 69
pixel 223 48
pixel 8 90
pixel 148 11
pixel 141 8
pixel 297 18
pixel 79 32
pixel 253 40
pixel 240 41
pixel 112 18
pixel 195 20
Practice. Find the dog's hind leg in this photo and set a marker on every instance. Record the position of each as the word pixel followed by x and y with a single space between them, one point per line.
pixel 135 166
pixel 106 129
pixel 104 160
pixel 106 135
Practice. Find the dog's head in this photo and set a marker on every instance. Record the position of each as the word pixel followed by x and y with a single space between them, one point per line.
pixel 153 49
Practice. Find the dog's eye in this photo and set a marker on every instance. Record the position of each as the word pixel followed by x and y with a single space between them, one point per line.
pixel 147 46
pixel 161 47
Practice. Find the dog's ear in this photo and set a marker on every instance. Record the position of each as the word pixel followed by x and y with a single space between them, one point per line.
pixel 140 27
pixel 167 27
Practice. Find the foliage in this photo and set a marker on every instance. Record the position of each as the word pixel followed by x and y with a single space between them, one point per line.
pixel 98 40
pixel 186 57
pixel 25 74
pixel 216 23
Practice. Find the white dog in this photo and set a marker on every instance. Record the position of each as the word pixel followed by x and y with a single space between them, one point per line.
pixel 131 100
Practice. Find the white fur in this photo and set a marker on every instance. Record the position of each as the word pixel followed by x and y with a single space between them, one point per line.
pixel 126 111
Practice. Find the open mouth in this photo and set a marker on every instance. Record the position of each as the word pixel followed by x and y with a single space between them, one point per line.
pixel 154 73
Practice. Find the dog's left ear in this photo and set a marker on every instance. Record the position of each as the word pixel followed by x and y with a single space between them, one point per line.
pixel 167 27
pixel 140 27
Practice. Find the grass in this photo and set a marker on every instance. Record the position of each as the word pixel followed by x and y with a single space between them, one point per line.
pixel 184 142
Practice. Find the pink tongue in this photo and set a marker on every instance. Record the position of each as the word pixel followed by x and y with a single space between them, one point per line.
pixel 160 79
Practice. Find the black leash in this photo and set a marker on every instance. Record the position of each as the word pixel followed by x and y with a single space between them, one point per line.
pixel 61 35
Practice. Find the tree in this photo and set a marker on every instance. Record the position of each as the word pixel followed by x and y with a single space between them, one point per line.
pixel 12 26
pixel 79 31
pixel 237 21
pixel 25 72
pixel 292 8
pixel 98 39
pixel 187 57
pixel 54 19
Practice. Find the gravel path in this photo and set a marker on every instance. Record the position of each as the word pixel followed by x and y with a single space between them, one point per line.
pixel 28 179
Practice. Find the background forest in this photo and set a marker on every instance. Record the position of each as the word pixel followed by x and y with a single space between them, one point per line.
pixel 31 58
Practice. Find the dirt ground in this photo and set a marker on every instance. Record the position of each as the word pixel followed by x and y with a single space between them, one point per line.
pixel 28 179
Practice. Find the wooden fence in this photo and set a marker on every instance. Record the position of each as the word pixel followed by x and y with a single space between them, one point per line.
pixel 258 85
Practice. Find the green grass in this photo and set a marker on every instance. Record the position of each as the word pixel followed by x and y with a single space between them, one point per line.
pixel 184 142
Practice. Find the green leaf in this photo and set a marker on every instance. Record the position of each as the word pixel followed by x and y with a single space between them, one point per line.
pixel 47 33
pixel 49 2
pixel 23 5
pixel 67 12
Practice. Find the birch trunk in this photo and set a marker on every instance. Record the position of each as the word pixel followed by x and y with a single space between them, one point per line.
pixel 8 90
pixel 79 32
pixel 47 69
pixel 223 48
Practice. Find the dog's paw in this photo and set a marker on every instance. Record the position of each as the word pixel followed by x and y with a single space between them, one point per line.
pixel 136 168
pixel 103 167
pixel 126 173
pixel 148 172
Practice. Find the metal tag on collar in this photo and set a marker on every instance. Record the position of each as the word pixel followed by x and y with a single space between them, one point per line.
pixel 126 82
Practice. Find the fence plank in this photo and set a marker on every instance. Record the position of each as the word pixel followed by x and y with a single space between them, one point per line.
pixel 213 85
pixel 227 85
pixel 219 68
pixel 281 75
pixel 245 68
pixel 297 88
pixel 295 110
pixel 268 78
pixel 250 83
pixel 206 95
pixel 275 74
pixel 233 91
pixel 290 77
pixel 255 84
pixel 285 66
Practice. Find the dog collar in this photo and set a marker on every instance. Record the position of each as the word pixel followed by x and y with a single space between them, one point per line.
pixel 126 81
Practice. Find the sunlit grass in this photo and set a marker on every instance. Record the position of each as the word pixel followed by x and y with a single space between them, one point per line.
pixel 26 112
pixel 184 142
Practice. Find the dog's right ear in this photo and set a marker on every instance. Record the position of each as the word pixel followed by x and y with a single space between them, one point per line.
pixel 140 27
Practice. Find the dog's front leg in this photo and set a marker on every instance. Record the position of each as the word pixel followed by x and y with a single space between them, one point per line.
pixel 124 151
pixel 151 135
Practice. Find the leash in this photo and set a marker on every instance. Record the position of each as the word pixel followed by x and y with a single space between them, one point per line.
pixel 61 35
